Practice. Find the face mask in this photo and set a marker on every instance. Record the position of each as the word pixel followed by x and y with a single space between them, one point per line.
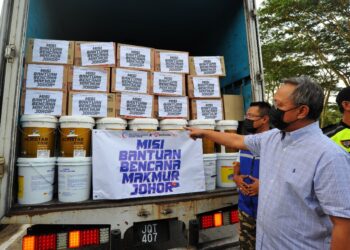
pixel 249 126
pixel 276 118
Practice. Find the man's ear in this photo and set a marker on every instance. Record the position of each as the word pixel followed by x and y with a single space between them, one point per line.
pixel 266 119
pixel 346 105
pixel 303 111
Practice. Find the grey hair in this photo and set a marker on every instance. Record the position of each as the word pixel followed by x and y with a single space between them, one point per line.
pixel 308 93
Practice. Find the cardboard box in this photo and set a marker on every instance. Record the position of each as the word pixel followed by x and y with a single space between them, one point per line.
pixel 234 107
pixel 91 104
pixel 49 51
pixel 204 109
pixel 169 61
pixel 207 66
pixel 43 102
pixel 95 79
pixel 130 80
pixel 45 76
pixel 203 87
pixel 172 107
pixel 133 105
pixel 168 84
pixel 135 57
pixel 92 54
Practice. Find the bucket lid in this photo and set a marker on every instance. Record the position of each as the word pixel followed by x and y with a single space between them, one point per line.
pixel 179 122
pixel 111 120
pixel 144 121
pixel 227 123
pixel 208 122
pixel 24 161
pixel 38 118
pixel 67 160
pixel 223 156
pixel 77 119
pixel 209 156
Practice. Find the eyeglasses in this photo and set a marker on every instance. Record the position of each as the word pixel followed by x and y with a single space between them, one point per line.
pixel 249 116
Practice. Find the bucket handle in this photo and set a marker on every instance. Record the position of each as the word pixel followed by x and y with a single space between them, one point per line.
pixel 43 134
pixel 75 135
pixel 53 183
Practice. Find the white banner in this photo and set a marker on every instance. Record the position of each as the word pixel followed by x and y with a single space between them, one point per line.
pixel 135 57
pixel 50 51
pixel 206 87
pixel 208 65
pixel 173 107
pixel 45 76
pixel 174 62
pixel 90 104
pixel 43 102
pixel 97 54
pixel 167 83
pixel 134 81
pixel 89 79
pixel 131 164
pixel 209 109
pixel 136 105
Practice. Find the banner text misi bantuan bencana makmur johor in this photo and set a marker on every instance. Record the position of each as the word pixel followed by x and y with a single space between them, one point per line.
pixel 130 164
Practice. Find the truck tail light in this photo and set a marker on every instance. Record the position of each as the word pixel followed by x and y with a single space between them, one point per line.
pixel 211 220
pixel 67 238
pixel 234 217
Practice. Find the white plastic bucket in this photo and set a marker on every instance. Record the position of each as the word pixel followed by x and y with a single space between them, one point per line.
pixel 227 126
pixel 35 180
pixel 143 124
pixel 173 124
pixel 38 136
pixel 75 136
pixel 111 123
pixel 209 162
pixel 74 179
pixel 224 169
pixel 208 145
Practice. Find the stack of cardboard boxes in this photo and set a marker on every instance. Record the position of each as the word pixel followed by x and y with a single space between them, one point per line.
pixel 104 79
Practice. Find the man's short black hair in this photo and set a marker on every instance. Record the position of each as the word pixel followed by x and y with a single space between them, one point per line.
pixel 264 107
pixel 343 95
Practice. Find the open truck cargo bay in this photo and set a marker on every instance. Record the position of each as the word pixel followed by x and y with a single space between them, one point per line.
pixel 204 28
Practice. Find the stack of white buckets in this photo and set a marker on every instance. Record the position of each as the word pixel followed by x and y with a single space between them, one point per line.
pixel 37 162
pixel 218 160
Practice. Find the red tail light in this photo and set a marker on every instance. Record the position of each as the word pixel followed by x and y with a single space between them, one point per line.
pixel 234 216
pixel 90 237
pixel 39 242
pixel 207 221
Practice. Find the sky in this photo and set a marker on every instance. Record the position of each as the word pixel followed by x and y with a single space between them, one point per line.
pixel 258 2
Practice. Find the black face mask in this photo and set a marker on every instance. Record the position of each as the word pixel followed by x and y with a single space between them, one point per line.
pixel 276 118
pixel 249 126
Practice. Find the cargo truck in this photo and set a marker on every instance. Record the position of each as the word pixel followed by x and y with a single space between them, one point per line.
pixel 202 27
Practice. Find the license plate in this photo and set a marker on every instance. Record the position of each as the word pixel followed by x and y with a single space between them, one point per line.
pixel 151 232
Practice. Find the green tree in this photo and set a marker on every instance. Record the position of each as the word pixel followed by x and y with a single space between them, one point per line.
pixel 306 37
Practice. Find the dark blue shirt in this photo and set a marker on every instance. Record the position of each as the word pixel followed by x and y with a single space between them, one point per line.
pixel 249 165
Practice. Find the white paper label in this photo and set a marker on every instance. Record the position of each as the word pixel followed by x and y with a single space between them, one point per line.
pixel 174 62
pixel 209 109
pixel 89 79
pixel 167 83
pixel 208 65
pixel 136 105
pixel 131 81
pixel 43 102
pixel 89 104
pixel 45 76
pixel 135 57
pixel 97 54
pixel 42 153
pixel 206 87
pixel 79 153
pixel 50 51
pixel 172 107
